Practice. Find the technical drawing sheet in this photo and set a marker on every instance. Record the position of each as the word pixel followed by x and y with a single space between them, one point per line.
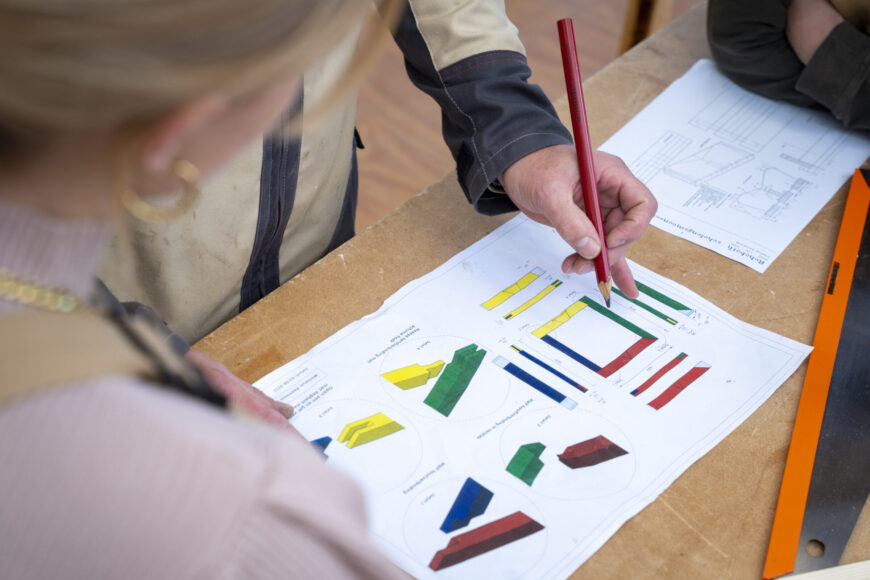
pixel 734 172
pixel 503 423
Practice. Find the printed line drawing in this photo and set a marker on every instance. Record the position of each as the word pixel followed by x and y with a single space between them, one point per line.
pixel 525 353
pixel 471 501
pixel 514 288
pixel 767 197
pixel 534 300
pixel 707 198
pixel 708 163
pixel 679 385
pixel 659 374
pixel 455 379
pixel 743 118
pixel 703 147
pixel 591 452
pixel 560 432
pixel 764 194
pixel 368 430
pixel 535 382
pixel 526 463
pixel 414 376
pixel 645 340
pixel 484 539
pixel 664 299
pixel 646 307
pixel 430 350
pixel 660 154
pixel 815 156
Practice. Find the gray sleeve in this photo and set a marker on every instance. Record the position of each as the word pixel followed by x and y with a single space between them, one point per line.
pixel 748 41
pixel 491 115
pixel 838 76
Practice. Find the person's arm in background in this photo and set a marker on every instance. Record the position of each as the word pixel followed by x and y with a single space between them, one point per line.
pixel 802 52
pixel 504 133
pixel 837 59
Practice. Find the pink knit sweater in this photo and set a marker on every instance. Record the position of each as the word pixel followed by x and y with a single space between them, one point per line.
pixel 115 478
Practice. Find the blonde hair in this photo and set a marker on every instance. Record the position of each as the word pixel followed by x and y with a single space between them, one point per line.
pixel 78 65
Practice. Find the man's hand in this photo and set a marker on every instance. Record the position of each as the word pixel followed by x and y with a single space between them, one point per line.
pixel 545 186
pixel 809 24
pixel 242 394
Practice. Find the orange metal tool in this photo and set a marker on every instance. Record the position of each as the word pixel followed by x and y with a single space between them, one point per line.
pixel 786 536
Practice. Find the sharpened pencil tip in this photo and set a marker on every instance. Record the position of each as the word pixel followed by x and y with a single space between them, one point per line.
pixel 604 287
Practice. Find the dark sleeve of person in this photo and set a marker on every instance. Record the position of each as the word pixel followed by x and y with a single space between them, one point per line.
pixel 838 76
pixel 748 41
pixel 491 116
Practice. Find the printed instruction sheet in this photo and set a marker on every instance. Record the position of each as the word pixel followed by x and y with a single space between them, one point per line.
pixel 503 423
pixel 734 172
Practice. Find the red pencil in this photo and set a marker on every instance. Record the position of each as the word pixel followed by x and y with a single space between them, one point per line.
pixel 584 151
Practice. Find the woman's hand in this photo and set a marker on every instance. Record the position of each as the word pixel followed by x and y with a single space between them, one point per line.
pixel 242 394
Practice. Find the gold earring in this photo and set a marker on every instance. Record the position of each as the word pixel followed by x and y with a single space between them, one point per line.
pixel 188 173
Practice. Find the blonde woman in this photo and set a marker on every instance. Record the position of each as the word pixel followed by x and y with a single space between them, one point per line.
pixel 286 202
pixel 116 460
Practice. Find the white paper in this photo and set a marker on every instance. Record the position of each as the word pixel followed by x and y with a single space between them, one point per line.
pixel 734 172
pixel 412 476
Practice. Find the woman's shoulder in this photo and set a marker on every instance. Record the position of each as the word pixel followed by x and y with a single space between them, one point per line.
pixel 152 480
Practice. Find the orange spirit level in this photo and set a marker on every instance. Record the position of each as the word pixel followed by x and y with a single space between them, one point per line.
pixel 827 473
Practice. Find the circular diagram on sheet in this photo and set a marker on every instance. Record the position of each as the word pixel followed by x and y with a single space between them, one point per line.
pixel 373 443
pixel 463 528
pixel 444 377
pixel 576 455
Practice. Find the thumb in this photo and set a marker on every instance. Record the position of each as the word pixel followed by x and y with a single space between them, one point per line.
pixel 574 227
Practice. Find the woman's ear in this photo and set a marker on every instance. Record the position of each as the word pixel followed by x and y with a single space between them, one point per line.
pixel 166 139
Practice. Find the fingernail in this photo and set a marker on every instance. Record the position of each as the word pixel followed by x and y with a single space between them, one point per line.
pixel 587 248
pixel 616 244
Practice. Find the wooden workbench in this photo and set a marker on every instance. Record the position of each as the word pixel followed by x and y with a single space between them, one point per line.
pixel 714 521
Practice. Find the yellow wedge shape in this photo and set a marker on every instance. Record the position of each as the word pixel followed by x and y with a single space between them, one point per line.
pixel 368 430
pixel 414 376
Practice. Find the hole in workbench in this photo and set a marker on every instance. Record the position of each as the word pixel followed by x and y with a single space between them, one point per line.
pixel 815 548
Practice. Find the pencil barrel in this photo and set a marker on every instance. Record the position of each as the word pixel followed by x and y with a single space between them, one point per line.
pixel 582 143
